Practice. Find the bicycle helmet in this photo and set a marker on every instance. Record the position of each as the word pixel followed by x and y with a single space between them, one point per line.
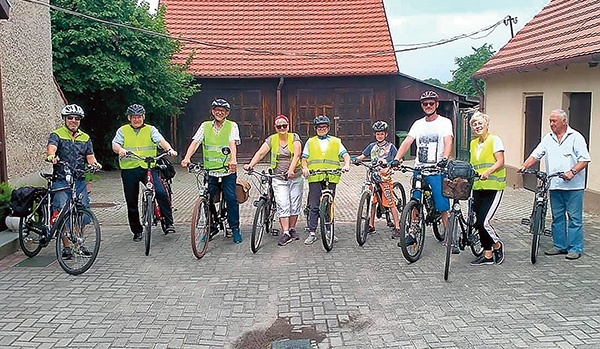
pixel 379 126
pixel 220 102
pixel 136 109
pixel 321 120
pixel 72 109
pixel 430 95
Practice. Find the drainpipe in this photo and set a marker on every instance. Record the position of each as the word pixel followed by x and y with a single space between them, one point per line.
pixel 279 87
pixel 480 93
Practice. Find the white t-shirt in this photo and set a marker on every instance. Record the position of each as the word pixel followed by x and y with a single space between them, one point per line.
pixel 498 146
pixel 429 137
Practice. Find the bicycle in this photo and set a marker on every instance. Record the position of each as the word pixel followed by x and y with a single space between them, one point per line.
pixel 264 215
pixel 326 209
pixel 151 213
pixel 418 212
pixel 70 227
pixel 372 191
pixel 466 236
pixel 203 228
pixel 537 220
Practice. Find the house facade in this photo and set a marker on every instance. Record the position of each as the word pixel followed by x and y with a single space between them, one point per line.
pixel 31 98
pixel 552 63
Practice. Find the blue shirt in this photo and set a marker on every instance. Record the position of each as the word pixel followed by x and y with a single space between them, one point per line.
pixel 562 157
pixel 375 152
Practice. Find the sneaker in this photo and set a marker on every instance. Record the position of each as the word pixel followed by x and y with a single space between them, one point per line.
pixel 237 236
pixel 410 240
pixel 481 260
pixel 294 234
pixel 67 253
pixel 312 237
pixel 554 251
pixel 456 250
pixel 137 237
pixel 228 234
pixel 284 239
pixel 573 255
pixel 371 230
pixel 499 253
pixel 84 252
pixel 170 229
pixel 396 234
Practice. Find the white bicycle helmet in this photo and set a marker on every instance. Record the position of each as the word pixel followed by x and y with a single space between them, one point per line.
pixel 72 109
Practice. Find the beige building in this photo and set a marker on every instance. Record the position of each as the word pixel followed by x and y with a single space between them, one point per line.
pixel 552 63
pixel 31 98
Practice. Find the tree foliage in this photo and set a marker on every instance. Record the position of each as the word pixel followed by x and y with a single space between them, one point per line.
pixel 467 66
pixel 434 81
pixel 105 68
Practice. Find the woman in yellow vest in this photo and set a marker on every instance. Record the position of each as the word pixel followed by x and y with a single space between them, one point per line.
pixel 285 148
pixel 321 152
pixel 487 157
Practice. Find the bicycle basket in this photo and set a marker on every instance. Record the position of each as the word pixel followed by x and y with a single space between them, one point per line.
pixel 457 188
pixel 165 168
pixel 242 189
pixel 21 200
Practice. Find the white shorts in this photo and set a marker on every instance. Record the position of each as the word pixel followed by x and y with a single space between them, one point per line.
pixel 288 196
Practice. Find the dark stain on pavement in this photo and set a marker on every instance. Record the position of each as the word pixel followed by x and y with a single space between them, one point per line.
pixel 280 329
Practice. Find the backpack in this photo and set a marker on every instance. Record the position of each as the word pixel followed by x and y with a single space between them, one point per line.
pixel 22 199
pixel 165 168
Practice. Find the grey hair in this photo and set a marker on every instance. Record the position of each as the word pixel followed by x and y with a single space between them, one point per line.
pixel 479 116
pixel 563 114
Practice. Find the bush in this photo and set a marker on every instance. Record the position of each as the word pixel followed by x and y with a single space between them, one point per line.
pixel 5 193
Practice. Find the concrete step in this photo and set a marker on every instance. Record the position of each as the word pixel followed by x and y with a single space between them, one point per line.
pixel 9 243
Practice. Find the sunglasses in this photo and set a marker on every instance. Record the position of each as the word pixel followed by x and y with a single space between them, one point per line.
pixel 281 127
pixel 71 117
pixel 428 104
pixel 322 127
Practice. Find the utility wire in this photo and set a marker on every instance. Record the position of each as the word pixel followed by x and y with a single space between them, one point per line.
pixel 411 47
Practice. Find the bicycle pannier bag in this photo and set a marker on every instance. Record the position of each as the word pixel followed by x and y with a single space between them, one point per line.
pixel 242 189
pixel 165 168
pixel 21 200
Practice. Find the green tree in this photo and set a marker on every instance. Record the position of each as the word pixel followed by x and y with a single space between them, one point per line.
pixel 105 68
pixel 467 66
pixel 434 81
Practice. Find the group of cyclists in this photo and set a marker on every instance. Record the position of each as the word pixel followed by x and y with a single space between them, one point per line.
pixel 432 133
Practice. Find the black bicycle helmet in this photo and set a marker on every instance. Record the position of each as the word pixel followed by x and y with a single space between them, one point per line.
pixel 72 109
pixel 430 95
pixel 220 102
pixel 321 120
pixel 379 126
pixel 136 109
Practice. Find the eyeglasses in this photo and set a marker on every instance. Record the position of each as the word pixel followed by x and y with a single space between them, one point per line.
pixel 281 127
pixel 322 127
pixel 428 104
pixel 74 117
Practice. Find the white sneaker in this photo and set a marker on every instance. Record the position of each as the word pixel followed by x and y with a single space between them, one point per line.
pixel 310 239
pixel 335 239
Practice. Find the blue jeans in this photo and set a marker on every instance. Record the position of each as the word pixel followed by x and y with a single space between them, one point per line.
pixel 227 186
pixel 60 198
pixel 441 203
pixel 567 204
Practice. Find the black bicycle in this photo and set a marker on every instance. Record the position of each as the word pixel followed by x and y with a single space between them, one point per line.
pixel 373 192
pixel 537 220
pixel 264 216
pixel 418 212
pixel 76 228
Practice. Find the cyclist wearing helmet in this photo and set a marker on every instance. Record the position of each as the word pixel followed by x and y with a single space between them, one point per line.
pixel 143 139
pixel 382 151
pixel 215 135
pixel 434 137
pixel 285 148
pixel 321 152
pixel 70 144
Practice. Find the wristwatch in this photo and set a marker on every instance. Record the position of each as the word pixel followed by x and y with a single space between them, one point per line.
pixel 573 171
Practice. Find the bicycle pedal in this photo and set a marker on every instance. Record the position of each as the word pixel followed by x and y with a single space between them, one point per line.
pixel 525 221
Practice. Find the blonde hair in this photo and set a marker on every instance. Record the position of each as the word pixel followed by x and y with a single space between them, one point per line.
pixel 479 116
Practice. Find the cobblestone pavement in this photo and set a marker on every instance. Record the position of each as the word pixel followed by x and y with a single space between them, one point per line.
pixel 351 297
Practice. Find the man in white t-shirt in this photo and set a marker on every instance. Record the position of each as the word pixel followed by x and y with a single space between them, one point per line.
pixel 434 136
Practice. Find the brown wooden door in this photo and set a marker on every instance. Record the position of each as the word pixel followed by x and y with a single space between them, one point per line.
pixel 533 133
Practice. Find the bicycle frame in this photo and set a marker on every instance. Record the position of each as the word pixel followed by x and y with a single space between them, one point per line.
pixel 421 192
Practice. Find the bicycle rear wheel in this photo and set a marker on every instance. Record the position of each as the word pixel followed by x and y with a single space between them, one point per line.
pixel 362 218
pixel 326 221
pixel 536 231
pixel 412 227
pixel 77 240
pixel 453 226
pixel 260 224
pixel 29 240
pixel 399 196
pixel 200 227
pixel 148 217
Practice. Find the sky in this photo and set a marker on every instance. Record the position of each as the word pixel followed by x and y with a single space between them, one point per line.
pixel 419 21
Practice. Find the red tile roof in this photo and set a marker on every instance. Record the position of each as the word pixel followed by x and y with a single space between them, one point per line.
pixel 295 38
pixel 564 31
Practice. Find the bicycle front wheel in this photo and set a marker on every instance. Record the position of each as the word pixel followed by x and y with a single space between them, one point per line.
pixel 327 224
pixel 412 228
pixel 453 226
pixel 399 196
pixel 29 240
pixel 148 214
pixel 260 224
pixel 200 227
pixel 536 232
pixel 362 218
pixel 77 240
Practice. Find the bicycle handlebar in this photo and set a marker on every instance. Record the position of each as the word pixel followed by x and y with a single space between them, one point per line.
pixel 197 168
pixel 326 172
pixel 253 172
pixel 541 175
pixel 147 159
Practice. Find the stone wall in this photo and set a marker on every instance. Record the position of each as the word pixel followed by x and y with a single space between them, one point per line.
pixel 32 100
